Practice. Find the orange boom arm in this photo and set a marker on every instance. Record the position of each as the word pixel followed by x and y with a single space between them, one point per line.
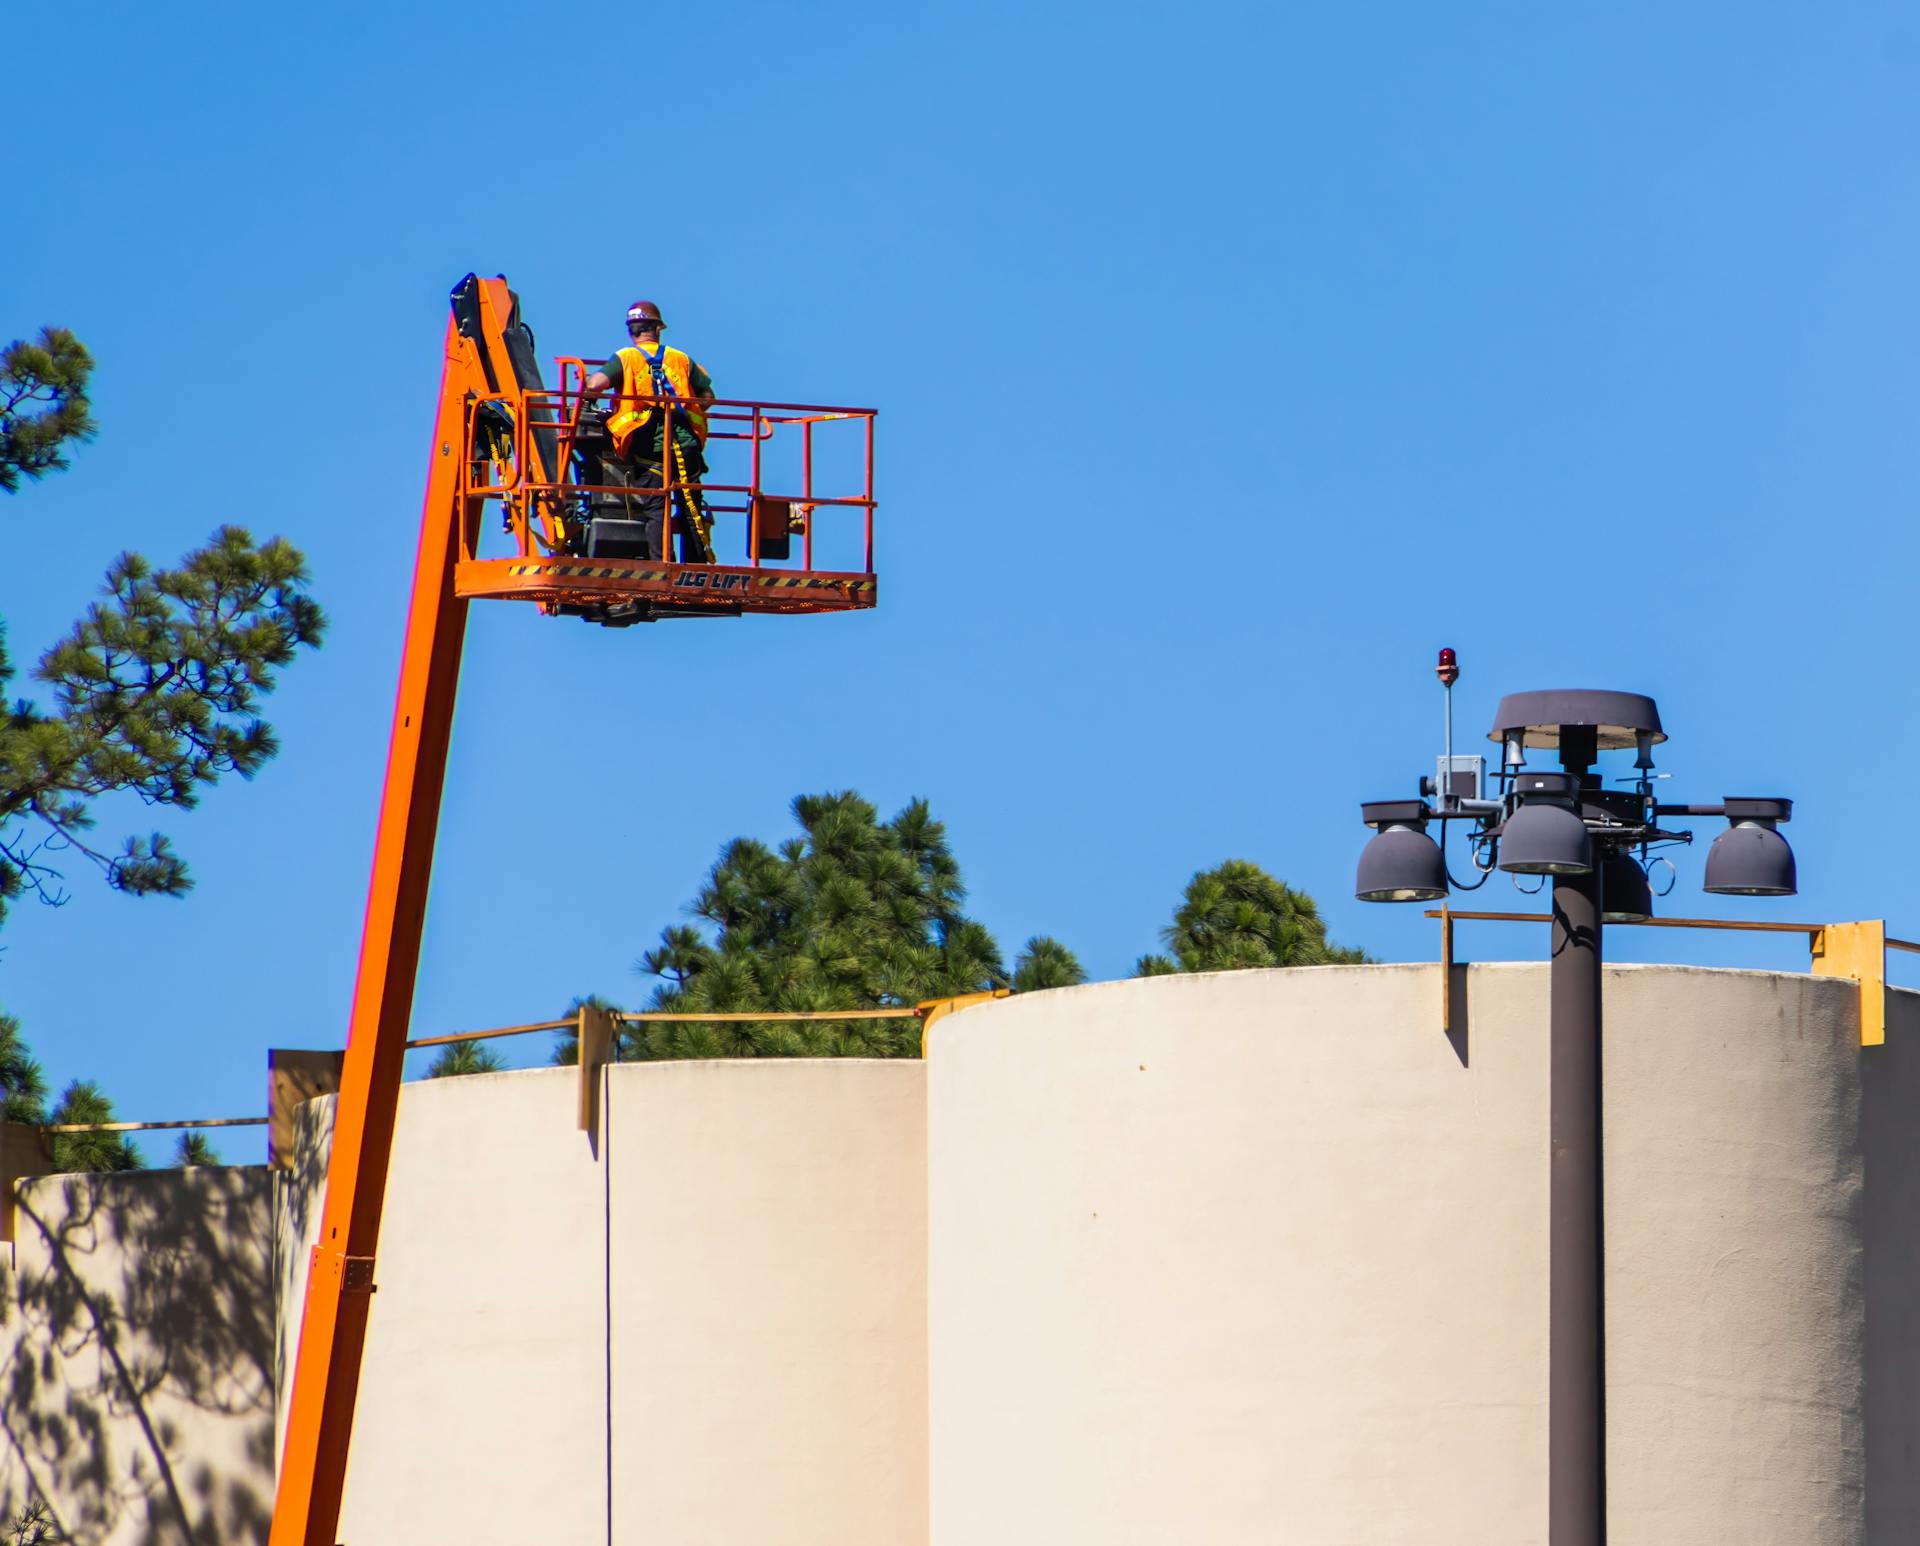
pixel 498 436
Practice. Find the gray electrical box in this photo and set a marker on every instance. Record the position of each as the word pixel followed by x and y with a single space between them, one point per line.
pixel 1461 777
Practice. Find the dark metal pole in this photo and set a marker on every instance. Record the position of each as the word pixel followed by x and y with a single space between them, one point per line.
pixel 1576 1391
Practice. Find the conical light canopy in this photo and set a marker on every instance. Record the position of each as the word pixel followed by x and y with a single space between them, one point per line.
pixel 1544 839
pixel 1401 864
pixel 1750 859
pixel 1625 896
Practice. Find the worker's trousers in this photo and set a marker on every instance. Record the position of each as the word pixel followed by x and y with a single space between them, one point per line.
pixel 648 503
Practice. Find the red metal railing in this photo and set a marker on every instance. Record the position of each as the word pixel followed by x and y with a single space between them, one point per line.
pixel 542 501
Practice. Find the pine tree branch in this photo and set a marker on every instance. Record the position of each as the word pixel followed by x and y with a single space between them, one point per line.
pixel 21 871
pixel 154 695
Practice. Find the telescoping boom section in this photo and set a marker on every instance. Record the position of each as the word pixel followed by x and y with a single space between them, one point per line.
pixel 785 506
pixel 527 501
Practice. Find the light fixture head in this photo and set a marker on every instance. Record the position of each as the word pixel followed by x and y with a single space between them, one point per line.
pixel 1545 839
pixel 1400 864
pixel 1750 858
pixel 1625 896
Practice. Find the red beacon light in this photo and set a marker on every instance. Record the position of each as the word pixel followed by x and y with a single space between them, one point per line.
pixel 1448 670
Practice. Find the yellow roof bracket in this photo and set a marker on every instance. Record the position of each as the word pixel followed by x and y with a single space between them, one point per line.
pixel 598 1031
pixel 932 1009
pixel 24 1151
pixel 1859 951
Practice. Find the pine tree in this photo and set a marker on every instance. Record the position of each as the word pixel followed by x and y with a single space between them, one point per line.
pixel 465 1057
pixel 194 1149
pixel 23 1083
pixel 1237 915
pixel 853 913
pixel 156 690
pixel 23 1098
pixel 83 1101
pixel 1046 963
pixel 43 404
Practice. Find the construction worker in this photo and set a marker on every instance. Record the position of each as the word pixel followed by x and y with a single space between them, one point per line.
pixel 649 369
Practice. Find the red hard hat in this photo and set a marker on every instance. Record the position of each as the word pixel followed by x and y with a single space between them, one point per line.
pixel 643 311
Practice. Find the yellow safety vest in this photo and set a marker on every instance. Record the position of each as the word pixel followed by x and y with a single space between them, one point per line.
pixel 637 381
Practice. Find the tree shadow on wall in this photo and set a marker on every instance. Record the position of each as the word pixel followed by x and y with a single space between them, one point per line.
pixel 138 1396
pixel 301 1188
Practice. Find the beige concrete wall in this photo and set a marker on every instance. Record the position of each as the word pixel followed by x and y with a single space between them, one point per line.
pixel 1238 1258
pixel 136 1340
pixel 742 1277
pixel 1261 1257
pixel 1735 1298
pixel 1258 1257
pixel 769 1303
pixel 482 1395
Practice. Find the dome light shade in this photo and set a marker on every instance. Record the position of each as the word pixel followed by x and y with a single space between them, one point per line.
pixel 1750 859
pixel 1625 896
pixel 1545 839
pixel 1401 864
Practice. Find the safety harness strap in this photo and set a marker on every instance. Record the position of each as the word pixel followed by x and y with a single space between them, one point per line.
pixel 691 501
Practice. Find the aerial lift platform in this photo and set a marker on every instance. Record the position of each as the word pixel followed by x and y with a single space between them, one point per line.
pixel 505 443
pixel 537 453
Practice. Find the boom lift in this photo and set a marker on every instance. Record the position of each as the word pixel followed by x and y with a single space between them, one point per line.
pixel 502 439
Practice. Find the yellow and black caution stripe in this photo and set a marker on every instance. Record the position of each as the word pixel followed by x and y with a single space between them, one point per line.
pixel 582 572
pixel 808 582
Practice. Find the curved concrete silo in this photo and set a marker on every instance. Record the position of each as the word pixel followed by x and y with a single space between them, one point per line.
pixel 1261 1256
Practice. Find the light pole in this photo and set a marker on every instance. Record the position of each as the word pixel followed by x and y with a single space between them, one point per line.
pixel 1566 825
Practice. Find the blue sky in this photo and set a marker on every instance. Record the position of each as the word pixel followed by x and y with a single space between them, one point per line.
pixel 1230 360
